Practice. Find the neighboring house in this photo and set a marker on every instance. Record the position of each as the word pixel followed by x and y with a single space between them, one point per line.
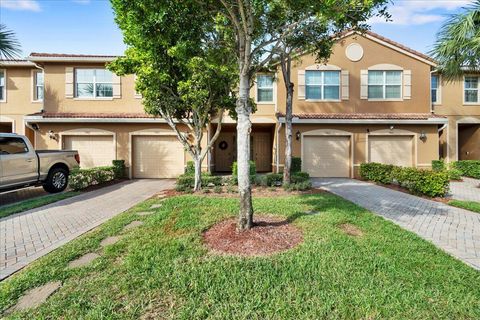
pixel 370 102
pixel 459 100
pixel 21 93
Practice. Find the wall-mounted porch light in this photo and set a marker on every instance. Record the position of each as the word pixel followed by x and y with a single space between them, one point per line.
pixel 297 135
pixel 423 136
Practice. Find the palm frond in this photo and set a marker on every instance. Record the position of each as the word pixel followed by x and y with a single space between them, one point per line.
pixel 9 45
pixel 457 48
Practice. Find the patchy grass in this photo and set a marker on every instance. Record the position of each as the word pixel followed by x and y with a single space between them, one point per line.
pixel 162 270
pixel 34 203
pixel 469 205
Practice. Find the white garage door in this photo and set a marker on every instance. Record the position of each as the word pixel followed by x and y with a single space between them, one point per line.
pixel 95 151
pixel 326 156
pixel 157 157
pixel 396 150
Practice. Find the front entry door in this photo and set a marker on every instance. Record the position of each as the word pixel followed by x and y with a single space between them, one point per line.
pixel 225 152
pixel 262 151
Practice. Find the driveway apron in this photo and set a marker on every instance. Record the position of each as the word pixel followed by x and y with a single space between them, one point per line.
pixel 29 235
pixel 454 230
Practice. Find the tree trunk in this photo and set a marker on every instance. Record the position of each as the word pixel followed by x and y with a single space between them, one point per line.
pixel 288 135
pixel 245 219
pixel 198 174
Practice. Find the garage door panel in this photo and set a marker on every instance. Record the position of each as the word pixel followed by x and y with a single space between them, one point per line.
pixel 327 156
pixel 396 150
pixel 94 151
pixel 157 157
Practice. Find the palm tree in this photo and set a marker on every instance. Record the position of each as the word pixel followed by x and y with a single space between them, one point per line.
pixel 9 45
pixel 457 48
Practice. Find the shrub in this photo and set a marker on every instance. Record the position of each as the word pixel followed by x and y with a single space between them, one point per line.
pixel 468 168
pixel 119 168
pixel 296 165
pixel 218 189
pixel 252 172
pixel 454 174
pixel 438 165
pixel 300 186
pixel 376 172
pixel 298 177
pixel 190 168
pixel 82 178
pixel 188 180
pixel 417 181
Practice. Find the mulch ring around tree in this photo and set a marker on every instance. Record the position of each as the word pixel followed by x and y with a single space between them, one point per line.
pixel 269 235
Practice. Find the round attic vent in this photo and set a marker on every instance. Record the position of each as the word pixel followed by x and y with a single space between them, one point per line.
pixel 354 52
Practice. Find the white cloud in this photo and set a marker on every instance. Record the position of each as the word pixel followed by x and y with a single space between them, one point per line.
pixel 26 5
pixel 416 12
pixel 82 1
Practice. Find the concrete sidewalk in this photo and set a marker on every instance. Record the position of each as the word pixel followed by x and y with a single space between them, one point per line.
pixel 29 235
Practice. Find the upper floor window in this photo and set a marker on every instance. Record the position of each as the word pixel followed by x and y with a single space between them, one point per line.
pixel 322 85
pixel 93 83
pixel 384 85
pixel 38 86
pixel 265 88
pixel 2 85
pixel 471 89
pixel 434 87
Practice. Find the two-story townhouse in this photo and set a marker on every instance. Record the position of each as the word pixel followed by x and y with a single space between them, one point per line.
pixel 90 109
pixel 21 93
pixel 369 103
pixel 459 100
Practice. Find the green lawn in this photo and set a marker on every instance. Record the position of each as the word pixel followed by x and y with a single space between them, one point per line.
pixel 162 270
pixel 34 203
pixel 469 205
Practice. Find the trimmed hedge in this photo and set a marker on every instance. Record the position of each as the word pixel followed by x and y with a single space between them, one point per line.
pixel 417 181
pixel 187 181
pixel 296 165
pixel 82 178
pixel 438 165
pixel 468 168
pixel 119 168
pixel 276 179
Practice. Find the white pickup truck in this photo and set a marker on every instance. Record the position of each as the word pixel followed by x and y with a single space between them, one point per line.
pixel 23 166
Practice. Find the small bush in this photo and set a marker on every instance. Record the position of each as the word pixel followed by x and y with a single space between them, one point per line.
pixel 300 186
pixel 417 181
pixel 438 165
pixel 454 174
pixel 188 180
pixel 218 189
pixel 296 165
pixel 82 178
pixel 119 168
pixel 299 177
pixel 468 168
pixel 190 168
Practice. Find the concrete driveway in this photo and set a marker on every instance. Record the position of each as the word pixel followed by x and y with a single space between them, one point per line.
pixel 454 230
pixel 466 190
pixel 29 235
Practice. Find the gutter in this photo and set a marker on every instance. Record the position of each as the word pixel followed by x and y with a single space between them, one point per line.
pixel 367 121
pixel 40 119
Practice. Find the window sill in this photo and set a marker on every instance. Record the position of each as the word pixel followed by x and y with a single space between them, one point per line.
pixel 264 102
pixel 471 103
pixel 385 100
pixel 321 100
pixel 93 99
pixel 37 101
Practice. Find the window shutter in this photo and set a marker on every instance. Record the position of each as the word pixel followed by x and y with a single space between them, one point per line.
pixel 69 82
pixel 345 87
pixel 363 84
pixel 407 84
pixel 301 84
pixel 117 89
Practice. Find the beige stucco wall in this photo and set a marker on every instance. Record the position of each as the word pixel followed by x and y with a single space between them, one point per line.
pixel 374 53
pixel 425 151
pixel 56 101
pixel 19 97
pixel 122 133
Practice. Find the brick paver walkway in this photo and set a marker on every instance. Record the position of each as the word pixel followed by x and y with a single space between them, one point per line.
pixel 467 190
pixel 29 235
pixel 455 230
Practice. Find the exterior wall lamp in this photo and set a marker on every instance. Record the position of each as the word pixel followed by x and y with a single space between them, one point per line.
pixel 423 136
pixel 297 135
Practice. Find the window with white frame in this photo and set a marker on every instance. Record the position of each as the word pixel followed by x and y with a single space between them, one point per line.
pixel 2 85
pixel 471 89
pixel 322 85
pixel 384 85
pixel 93 83
pixel 434 84
pixel 38 86
pixel 265 88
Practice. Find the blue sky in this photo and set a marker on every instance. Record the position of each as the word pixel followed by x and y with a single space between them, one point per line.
pixel 87 26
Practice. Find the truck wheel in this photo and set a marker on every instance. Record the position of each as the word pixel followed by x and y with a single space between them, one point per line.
pixel 57 180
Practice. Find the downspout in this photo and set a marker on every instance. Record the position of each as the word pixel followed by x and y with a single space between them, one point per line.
pixel 277 155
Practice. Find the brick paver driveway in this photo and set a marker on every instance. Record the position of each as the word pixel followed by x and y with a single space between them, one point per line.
pixel 455 230
pixel 467 190
pixel 29 235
